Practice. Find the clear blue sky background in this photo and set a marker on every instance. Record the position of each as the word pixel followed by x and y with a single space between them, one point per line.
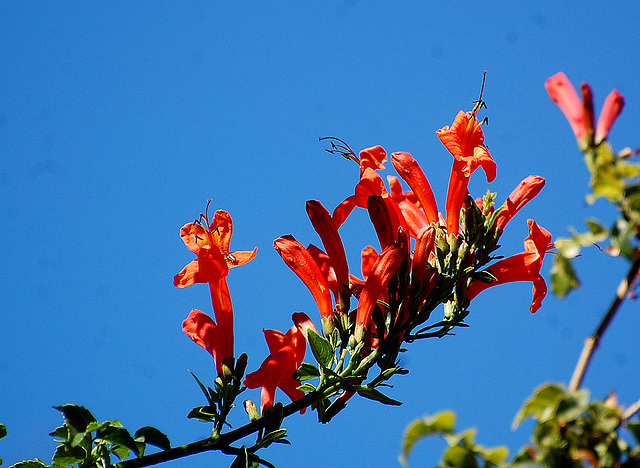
pixel 119 120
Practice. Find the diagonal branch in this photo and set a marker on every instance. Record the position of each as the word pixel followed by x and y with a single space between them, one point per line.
pixel 592 342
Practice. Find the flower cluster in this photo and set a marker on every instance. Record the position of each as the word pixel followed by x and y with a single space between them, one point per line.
pixel 425 258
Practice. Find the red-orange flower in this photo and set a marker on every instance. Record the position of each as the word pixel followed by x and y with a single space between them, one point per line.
pixel 411 172
pixel 210 242
pixel 298 258
pixel 524 266
pixel 286 355
pixel 465 141
pixel 203 331
pixel 383 269
pixel 523 194
pixel 579 112
pixel 323 224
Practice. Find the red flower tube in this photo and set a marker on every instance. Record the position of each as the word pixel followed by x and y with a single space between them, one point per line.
pixel 524 266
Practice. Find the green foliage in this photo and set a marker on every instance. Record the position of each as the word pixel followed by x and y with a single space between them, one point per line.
pixel 221 397
pixel 462 450
pixel 572 430
pixel 321 348
pixel 85 442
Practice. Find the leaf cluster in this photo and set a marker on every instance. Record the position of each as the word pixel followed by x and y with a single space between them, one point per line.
pixel 614 177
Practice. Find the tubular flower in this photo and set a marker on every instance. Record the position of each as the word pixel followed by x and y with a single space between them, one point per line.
pixel 523 194
pixel 298 258
pixel 323 224
pixel 410 171
pixel 383 269
pixel 524 266
pixel 465 141
pixel 286 355
pixel 611 109
pixel 210 242
pixel 579 112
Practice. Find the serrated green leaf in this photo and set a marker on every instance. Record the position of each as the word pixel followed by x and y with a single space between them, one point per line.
pixel 306 371
pixel 77 417
pixel 541 404
pixel 30 464
pixel 321 348
pixel 69 455
pixel 61 432
pixel 118 436
pixel 563 276
pixel 153 436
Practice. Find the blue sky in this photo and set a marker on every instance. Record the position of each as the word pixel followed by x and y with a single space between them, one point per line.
pixel 118 121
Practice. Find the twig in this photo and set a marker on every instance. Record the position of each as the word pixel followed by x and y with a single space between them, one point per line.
pixel 592 342
pixel 631 410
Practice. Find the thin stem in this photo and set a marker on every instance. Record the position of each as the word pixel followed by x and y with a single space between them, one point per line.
pixel 592 342
pixel 631 410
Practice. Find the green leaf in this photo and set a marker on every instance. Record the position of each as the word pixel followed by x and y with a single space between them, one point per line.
pixel 64 456
pixel 203 413
pixel 459 457
pixel 373 394
pixel 497 455
pixel 573 405
pixel 306 371
pixel 563 276
pixel 210 395
pixel 119 436
pixel 274 436
pixel 77 417
pixel 151 435
pixel 634 427
pixel 306 387
pixel 3 431
pixel 441 423
pixel 597 228
pixel 30 464
pixel 321 348
pixel 541 404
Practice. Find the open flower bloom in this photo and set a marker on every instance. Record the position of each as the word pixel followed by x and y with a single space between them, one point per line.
pixel 523 194
pixel 465 141
pixel 524 266
pixel 210 242
pixel 286 353
pixel 579 112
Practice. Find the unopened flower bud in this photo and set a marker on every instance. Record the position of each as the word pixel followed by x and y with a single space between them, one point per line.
pixel 251 410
